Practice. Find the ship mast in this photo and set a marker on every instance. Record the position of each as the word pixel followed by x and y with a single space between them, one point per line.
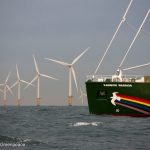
pixel 119 71
pixel 108 47
pixel 140 28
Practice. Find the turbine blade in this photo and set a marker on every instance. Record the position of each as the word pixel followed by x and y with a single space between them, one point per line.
pixel 48 76
pixel 36 66
pixel 77 58
pixel 30 83
pixel 59 62
pixel 81 91
pixel 9 89
pixel 7 77
pixel 84 94
pixel 17 72
pixel 74 76
pixel 1 91
pixel 24 81
pixel 14 84
pixel 80 97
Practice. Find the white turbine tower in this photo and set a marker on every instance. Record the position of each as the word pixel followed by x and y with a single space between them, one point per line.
pixel 18 82
pixel 37 77
pixel 82 94
pixel 1 91
pixel 5 89
pixel 71 72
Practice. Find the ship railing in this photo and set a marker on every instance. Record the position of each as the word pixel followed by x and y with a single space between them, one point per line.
pixel 108 78
pixel 99 78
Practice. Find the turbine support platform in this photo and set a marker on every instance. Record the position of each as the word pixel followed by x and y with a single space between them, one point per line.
pixel 4 103
pixel 38 101
pixel 69 100
pixel 18 102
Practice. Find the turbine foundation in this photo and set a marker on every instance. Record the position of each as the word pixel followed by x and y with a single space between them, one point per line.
pixel 38 101
pixel 69 100
pixel 4 103
pixel 18 102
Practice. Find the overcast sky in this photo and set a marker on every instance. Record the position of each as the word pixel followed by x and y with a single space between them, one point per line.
pixel 62 29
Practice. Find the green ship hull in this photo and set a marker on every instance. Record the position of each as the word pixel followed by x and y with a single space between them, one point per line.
pixel 118 98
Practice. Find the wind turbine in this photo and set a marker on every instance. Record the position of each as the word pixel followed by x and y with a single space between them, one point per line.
pixel 18 82
pixel 5 89
pixel 71 72
pixel 82 94
pixel 37 77
pixel 1 92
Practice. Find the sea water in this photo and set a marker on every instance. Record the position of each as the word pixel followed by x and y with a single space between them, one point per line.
pixel 70 128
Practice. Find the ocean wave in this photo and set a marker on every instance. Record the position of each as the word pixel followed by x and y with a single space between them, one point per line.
pixel 7 139
pixel 35 142
pixel 43 109
pixel 77 124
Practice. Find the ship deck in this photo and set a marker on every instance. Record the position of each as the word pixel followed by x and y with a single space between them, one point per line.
pixel 125 78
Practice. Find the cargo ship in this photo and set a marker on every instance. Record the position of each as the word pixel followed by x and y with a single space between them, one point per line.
pixel 119 94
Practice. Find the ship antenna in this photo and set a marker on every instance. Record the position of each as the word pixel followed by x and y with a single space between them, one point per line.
pixel 136 67
pixel 123 20
pixel 140 28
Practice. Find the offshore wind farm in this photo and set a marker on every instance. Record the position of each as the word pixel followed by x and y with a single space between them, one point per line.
pixel 62 36
pixel 48 83
pixel 37 76
pixel 6 87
